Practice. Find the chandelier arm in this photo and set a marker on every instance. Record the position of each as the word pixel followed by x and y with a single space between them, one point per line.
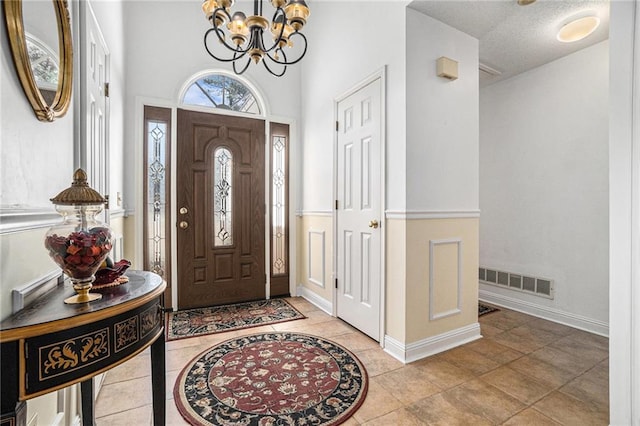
pixel 246 65
pixel 285 62
pixel 273 59
pixel 284 69
pixel 213 55
pixel 280 11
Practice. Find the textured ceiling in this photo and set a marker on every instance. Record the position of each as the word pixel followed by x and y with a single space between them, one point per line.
pixel 516 38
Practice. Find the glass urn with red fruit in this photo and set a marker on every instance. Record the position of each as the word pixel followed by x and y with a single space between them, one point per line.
pixel 81 242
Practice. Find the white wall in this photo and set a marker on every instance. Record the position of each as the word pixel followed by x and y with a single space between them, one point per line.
pixel 342 52
pixel 28 178
pixel 165 48
pixel 544 181
pixel 442 118
pixel 36 162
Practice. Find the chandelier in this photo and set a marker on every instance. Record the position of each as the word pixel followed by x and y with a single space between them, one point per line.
pixel 245 40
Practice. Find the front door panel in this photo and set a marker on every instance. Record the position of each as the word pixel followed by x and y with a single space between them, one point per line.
pixel 220 196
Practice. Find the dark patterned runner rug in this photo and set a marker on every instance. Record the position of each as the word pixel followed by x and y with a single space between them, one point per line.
pixel 271 379
pixel 484 309
pixel 218 319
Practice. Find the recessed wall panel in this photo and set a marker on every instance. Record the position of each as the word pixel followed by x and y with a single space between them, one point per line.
pixel 445 278
pixel 316 257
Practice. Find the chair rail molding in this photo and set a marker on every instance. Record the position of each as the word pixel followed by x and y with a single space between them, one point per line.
pixel 19 219
pixel 431 214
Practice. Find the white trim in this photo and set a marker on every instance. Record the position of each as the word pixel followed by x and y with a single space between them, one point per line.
pixel 431 345
pixel 321 213
pixel 635 225
pixel 550 314
pixel 21 296
pixel 431 214
pixel 624 214
pixel 314 299
pixel 319 281
pixel 14 220
pixel 458 309
pixel 117 213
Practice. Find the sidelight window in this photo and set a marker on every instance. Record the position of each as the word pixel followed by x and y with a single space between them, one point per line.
pixel 279 204
pixel 157 122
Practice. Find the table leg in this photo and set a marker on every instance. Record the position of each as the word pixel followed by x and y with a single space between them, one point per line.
pixel 158 380
pixel 86 394
pixel 14 412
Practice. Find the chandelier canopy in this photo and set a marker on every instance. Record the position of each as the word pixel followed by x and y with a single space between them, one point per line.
pixel 244 38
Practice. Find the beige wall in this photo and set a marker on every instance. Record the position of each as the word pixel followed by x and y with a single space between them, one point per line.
pixel 446 239
pixel 24 259
pixel 409 246
pixel 315 254
pixel 396 277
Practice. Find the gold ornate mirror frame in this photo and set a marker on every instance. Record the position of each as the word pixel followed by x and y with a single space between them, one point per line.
pixel 15 29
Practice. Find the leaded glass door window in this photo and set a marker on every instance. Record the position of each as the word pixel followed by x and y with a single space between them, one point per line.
pixel 279 265
pixel 223 197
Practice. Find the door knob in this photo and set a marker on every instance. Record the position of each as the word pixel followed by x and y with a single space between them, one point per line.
pixel 183 225
pixel 373 224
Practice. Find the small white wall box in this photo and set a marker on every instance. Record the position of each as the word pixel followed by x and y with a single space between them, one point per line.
pixel 447 68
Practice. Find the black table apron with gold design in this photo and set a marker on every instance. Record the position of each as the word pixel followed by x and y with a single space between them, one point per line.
pixel 50 345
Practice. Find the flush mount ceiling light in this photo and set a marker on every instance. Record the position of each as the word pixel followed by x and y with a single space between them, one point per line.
pixel 247 34
pixel 578 29
pixel 525 2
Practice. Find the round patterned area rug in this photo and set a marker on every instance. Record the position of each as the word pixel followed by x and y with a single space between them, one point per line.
pixel 271 379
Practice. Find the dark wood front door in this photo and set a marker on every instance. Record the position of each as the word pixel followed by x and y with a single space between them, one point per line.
pixel 221 209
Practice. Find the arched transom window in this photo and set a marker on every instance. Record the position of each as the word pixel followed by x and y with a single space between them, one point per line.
pixel 222 91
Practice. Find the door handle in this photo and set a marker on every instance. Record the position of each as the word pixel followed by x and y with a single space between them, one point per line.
pixel 183 225
pixel 373 224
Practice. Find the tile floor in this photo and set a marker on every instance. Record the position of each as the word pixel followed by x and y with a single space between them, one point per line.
pixel 525 371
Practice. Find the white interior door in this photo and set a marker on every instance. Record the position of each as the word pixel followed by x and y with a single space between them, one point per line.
pixel 95 77
pixel 359 209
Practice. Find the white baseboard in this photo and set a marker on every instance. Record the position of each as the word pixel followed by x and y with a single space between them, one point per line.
pixel 315 299
pixel 431 345
pixel 551 314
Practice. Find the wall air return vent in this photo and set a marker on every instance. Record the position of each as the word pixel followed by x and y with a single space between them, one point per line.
pixel 519 282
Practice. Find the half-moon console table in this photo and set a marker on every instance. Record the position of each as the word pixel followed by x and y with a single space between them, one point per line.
pixel 50 345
